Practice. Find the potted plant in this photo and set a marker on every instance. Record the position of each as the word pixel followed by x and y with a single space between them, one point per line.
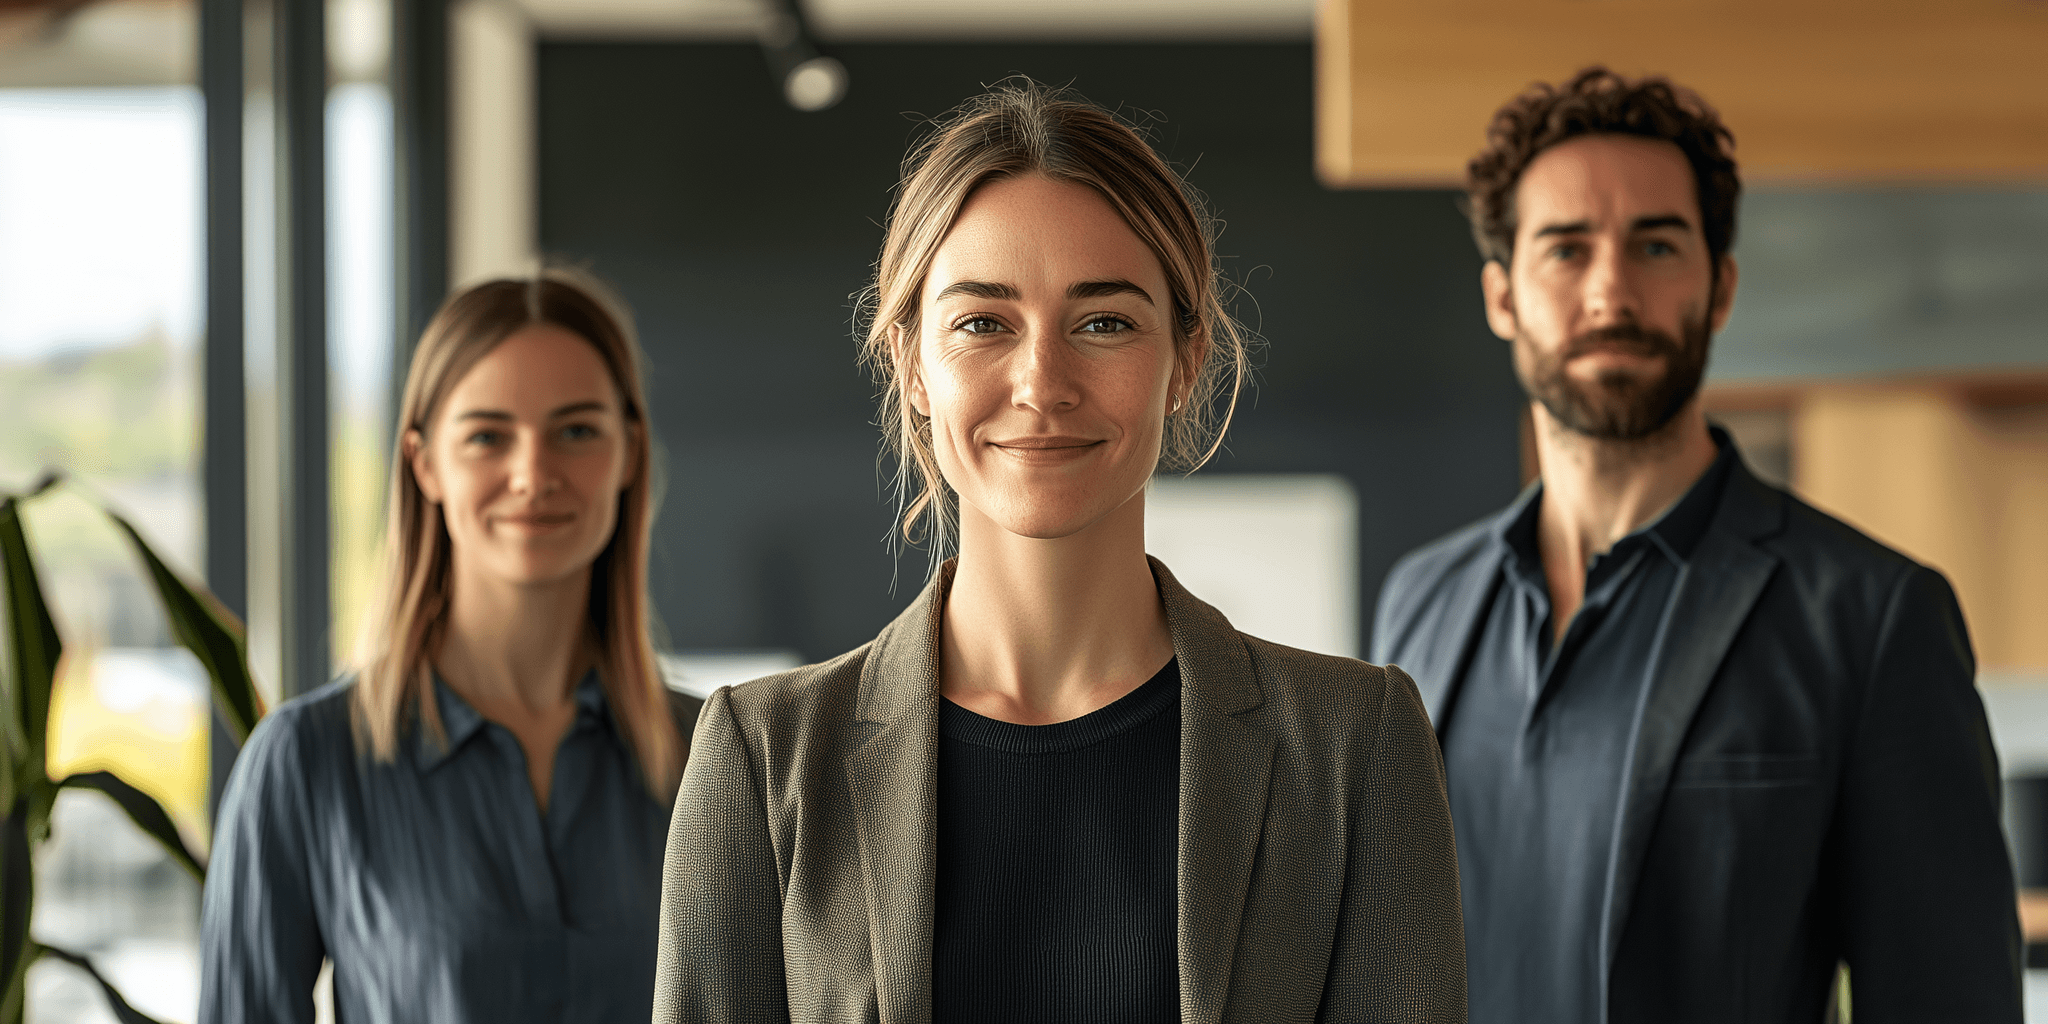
pixel 29 652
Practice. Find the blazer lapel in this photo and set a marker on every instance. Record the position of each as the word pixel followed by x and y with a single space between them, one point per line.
pixel 1438 667
pixel 893 779
pixel 1714 595
pixel 1463 614
pixel 1225 772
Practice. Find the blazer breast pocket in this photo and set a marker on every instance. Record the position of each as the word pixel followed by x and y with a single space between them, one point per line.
pixel 1745 771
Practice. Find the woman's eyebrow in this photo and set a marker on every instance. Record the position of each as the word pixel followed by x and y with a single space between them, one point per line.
pixel 1080 290
pixel 1104 289
pixel 978 290
pixel 588 405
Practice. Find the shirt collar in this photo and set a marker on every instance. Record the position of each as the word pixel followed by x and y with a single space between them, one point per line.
pixel 1677 531
pixel 461 722
pixel 1514 533
pixel 591 706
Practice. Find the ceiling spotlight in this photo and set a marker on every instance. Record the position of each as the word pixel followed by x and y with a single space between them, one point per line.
pixel 815 84
pixel 810 80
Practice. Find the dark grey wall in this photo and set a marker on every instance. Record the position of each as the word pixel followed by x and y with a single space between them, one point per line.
pixel 1870 282
pixel 737 228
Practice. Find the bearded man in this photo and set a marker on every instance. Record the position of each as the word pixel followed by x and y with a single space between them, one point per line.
pixel 1703 743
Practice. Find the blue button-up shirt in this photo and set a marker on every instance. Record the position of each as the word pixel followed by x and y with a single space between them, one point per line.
pixel 433 881
pixel 1535 747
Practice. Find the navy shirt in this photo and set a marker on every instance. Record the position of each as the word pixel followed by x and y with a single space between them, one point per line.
pixel 1535 751
pixel 433 881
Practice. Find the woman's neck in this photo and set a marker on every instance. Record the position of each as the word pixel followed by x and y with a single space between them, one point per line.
pixel 1040 631
pixel 522 645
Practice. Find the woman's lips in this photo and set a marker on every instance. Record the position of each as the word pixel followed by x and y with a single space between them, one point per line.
pixel 1046 450
pixel 1046 441
pixel 536 523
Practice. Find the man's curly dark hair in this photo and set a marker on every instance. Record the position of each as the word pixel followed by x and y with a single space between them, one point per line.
pixel 1599 102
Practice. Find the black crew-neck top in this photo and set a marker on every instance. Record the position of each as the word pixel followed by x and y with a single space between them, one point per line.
pixel 1057 860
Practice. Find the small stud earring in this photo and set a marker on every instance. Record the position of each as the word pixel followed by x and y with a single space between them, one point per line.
pixel 1176 405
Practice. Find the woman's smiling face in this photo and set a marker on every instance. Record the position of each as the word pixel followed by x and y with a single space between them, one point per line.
pixel 527 456
pixel 1045 357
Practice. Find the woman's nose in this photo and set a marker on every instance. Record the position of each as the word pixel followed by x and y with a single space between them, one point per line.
pixel 532 473
pixel 1043 372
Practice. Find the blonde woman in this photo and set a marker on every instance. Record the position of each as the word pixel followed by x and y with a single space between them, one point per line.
pixel 1059 787
pixel 470 827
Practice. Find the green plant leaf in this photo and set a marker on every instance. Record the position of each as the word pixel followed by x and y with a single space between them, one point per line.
pixel 33 648
pixel 17 901
pixel 149 815
pixel 13 758
pixel 209 631
pixel 123 1012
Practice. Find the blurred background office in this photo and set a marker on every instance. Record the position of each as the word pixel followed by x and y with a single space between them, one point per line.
pixel 222 222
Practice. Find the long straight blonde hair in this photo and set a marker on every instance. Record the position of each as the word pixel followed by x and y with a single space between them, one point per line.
pixel 405 625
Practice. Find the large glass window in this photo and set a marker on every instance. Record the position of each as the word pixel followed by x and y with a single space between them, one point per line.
pixel 360 278
pixel 100 242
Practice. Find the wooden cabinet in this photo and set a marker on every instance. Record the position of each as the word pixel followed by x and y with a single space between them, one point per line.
pixel 1951 470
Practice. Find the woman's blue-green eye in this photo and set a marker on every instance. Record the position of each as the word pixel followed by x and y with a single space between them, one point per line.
pixel 579 431
pixel 485 438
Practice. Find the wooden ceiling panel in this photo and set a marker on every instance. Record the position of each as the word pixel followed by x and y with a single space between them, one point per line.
pixel 1814 90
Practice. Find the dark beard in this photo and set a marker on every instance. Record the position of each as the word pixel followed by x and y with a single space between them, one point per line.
pixel 1618 405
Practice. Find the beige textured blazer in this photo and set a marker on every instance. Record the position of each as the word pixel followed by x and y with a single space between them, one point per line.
pixel 1318 876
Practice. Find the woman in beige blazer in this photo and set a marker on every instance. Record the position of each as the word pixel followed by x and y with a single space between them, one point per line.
pixel 1058 786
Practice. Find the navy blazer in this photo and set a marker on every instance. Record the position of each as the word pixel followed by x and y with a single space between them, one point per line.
pixel 1813 781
